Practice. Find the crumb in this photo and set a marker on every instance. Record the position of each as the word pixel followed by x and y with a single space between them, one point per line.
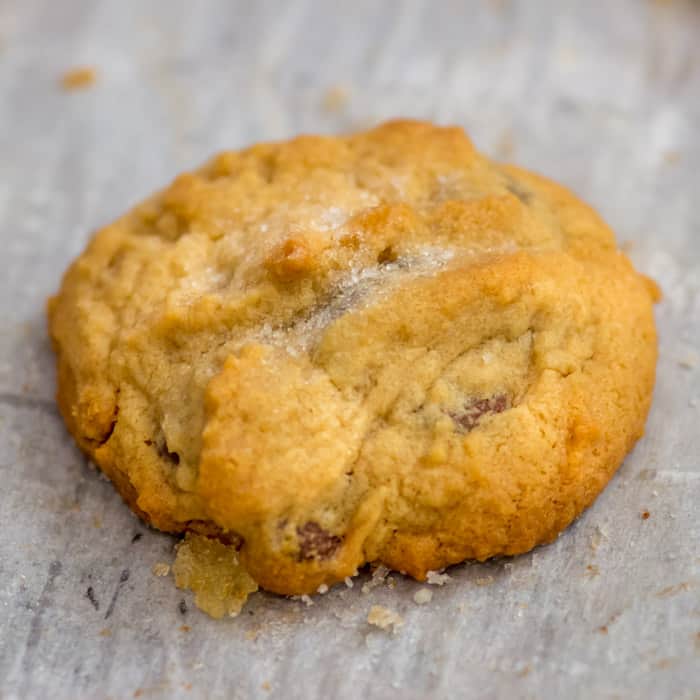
pixel 323 588
pixel 435 578
pixel 306 600
pixel 592 570
pixel 78 78
pixel 348 582
pixel 378 578
pixel 266 686
pixel 484 581
pixel 422 596
pixel 211 570
pixel 160 568
pixel 184 628
pixel 645 515
pixel 603 629
pixel 97 521
pixel 252 634
pixel 182 607
pixel 335 98
pixel 690 361
pixel 385 619
pixel 597 537
pixel 105 632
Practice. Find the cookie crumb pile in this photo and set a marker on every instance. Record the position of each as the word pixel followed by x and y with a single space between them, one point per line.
pixel 384 618
pixel 376 348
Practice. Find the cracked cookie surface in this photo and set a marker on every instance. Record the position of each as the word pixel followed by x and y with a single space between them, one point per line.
pixel 379 347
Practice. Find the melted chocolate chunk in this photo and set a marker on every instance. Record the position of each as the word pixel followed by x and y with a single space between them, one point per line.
pixel 468 418
pixel 315 542
pixel 388 255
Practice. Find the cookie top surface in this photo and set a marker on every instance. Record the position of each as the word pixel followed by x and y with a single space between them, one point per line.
pixel 378 347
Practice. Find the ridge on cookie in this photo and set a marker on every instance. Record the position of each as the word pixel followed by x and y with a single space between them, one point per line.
pixel 381 347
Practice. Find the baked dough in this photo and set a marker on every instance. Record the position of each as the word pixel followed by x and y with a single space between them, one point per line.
pixel 381 347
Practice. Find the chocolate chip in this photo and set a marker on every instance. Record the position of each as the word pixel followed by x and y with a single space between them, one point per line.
pixel 315 542
pixel 388 255
pixel 468 418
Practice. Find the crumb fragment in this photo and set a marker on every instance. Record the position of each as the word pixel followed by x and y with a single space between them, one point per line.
pixel 160 568
pixel 384 618
pixel 336 98
pixel 689 361
pixel 423 596
pixel 592 570
pixel 597 537
pixel 323 588
pixel 435 578
pixel 484 580
pixel 306 600
pixel 212 571
pixel 105 632
pixel 645 515
pixel 348 582
pixel 378 577
pixel 78 78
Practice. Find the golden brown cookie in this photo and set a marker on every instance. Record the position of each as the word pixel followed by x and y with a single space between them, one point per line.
pixel 379 347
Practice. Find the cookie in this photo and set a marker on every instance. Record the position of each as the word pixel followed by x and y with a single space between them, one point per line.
pixel 381 347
